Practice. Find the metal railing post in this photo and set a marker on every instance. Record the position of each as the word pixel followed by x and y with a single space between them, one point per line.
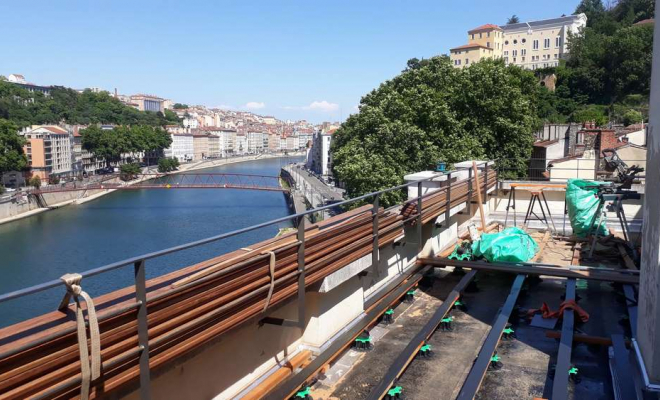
pixel 486 182
pixel 448 200
pixel 419 216
pixel 469 199
pixel 143 329
pixel 374 248
pixel 301 272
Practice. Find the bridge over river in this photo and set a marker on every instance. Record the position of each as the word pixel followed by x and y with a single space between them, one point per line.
pixel 132 222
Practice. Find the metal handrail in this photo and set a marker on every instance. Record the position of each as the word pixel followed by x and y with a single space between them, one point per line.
pixel 139 264
pixel 131 261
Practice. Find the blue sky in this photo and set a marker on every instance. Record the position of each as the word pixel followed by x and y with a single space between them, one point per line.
pixel 291 59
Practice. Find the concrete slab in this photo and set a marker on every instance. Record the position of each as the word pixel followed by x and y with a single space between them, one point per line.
pixel 338 277
pixel 369 369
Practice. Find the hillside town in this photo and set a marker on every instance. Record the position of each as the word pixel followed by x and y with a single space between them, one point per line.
pixel 55 152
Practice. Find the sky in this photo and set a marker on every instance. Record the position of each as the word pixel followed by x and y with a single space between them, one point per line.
pixel 294 60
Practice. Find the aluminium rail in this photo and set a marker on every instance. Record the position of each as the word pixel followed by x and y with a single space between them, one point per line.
pixel 410 351
pixel 478 371
pixel 139 266
pixel 560 382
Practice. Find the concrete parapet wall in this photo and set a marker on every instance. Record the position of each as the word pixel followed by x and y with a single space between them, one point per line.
pixel 235 362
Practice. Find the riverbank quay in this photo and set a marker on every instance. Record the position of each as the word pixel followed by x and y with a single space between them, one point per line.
pixel 308 192
pixel 21 205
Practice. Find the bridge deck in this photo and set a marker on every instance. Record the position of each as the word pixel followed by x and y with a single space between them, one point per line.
pixel 172 181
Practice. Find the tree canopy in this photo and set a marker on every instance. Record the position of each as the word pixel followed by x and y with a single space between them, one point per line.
pixel 513 20
pixel 608 70
pixel 26 108
pixel 111 144
pixel 433 112
pixel 12 157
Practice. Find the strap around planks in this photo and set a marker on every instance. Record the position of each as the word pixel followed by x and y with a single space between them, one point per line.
pixel 271 265
pixel 73 289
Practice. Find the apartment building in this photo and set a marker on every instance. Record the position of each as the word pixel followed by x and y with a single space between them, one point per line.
pixel 223 139
pixel 182 147
pixel 530 45
pixel 214 146
pixel 200 147
pixel 255 142
pixel 292 143
pixel 147 102
pixel 319 158
pixel 241 144
pixel 274 140
pixel 49 150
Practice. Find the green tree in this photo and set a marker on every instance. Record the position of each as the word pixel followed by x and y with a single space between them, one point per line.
pixel 129 171
pixel 167 165
pixel 12 157
pixel 629 58
pixel 108 144
pixel 513 20
pixel 631 11
pixel 172 118
pixel 67 105
pixel 35 182
pixel 591 113
pixel 179 106
pixel 632 117
pixel 435 112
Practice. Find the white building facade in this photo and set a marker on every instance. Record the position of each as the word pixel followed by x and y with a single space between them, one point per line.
pixel 182 147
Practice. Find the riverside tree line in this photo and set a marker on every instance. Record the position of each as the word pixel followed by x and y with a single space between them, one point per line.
pixel 134 132
pixel 432 111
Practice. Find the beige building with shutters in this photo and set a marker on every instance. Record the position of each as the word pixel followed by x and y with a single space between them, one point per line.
pixel 530 45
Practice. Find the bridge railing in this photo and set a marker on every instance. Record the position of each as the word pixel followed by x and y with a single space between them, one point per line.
pixel 139 264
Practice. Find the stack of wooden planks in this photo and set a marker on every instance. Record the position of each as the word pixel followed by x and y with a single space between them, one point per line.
pixel 434 204
pixel 39 358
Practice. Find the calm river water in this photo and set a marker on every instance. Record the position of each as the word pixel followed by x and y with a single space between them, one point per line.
pixel 126 224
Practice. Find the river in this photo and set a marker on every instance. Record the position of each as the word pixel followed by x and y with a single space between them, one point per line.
pixel 126 224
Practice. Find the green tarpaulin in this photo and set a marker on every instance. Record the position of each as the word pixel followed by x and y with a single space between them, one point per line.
pixel 582 203
pixel 511 245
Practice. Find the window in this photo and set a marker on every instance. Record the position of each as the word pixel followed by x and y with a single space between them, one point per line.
pixel 487 44
pixel 523 52
pixel 523 59
pixel 556 56
pixel 473 36
pixel 515 53
pixel 557 41
pixel 488 35
pixel 467 61
pixel 506 52
pixel 546 43
pixel 535 45
pixel 479 35
pixel 515 41
pixel 506 60
pixel 506 42
pixel 457 62
pixel 514 59
pixel 524 40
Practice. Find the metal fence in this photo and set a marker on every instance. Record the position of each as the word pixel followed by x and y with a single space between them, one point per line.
pixel 560 171
pixel 139 264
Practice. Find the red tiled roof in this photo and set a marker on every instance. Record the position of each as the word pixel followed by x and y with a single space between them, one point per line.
pixel 470 46
pixel 545 143
pixel 55 129
pixel 645 21
pixel 567 158
pixel 484 27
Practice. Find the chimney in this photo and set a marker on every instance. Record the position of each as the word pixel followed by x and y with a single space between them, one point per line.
pixel 116 93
